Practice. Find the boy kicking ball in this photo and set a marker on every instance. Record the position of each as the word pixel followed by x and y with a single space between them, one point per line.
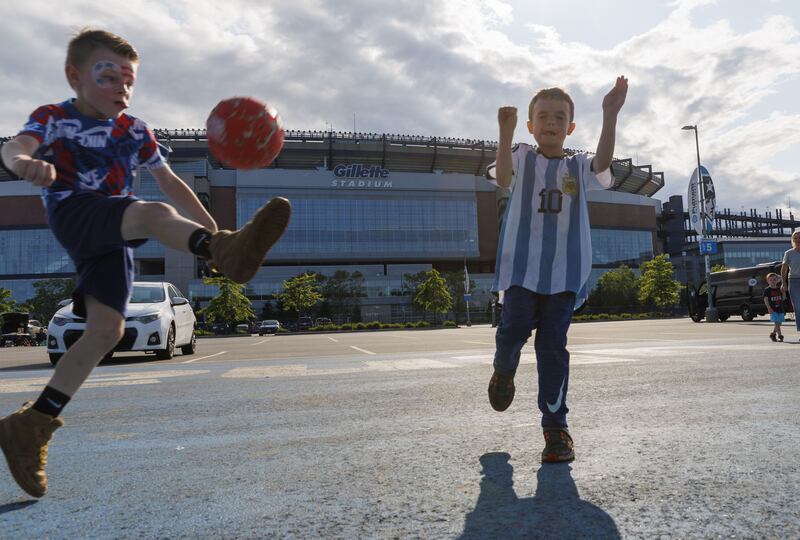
pixel 83 152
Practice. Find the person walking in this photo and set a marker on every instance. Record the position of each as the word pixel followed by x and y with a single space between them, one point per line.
pixel 790 275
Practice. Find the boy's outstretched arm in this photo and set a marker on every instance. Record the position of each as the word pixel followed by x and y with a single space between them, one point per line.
pixel 17 157
pixel 612 104
pixel 504 168
pixel 183 197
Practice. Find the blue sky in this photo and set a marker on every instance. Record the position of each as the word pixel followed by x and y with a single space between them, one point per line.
pixel 442 68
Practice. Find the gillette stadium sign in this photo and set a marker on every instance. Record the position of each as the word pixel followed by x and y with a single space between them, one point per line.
pixel 356 175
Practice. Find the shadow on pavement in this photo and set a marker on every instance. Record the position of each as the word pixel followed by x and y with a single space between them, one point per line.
pixel 10 507
pixel 113 361
pixel 117 360
pixel 555 511
pixel 29 367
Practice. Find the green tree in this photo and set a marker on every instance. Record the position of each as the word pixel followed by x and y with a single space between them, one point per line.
pixel 6 302
pixel 230 305
pixel 616 290
pixel 657 285
pixel 300 293
pixel 267 311
pixel 433 295
pixel 49 292
pixel 412 282
pixel 342 292
pixel 718 268
pixel 198 311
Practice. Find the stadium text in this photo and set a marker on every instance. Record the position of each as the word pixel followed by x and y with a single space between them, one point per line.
pixel 362 183
pixel 356 170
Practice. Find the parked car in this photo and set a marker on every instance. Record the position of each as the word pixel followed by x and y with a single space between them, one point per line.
pixel 268 327
pixel 158 319
pixel 33 327
pixel 304 323
pixel 322 320
pixel 219 328
pixel 290 325
pixel 735 292
pixel 14 330
pixel 243 328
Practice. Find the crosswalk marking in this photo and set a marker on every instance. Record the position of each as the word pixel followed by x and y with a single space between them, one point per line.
pixel 408 364
pixel 302 370
pixel 35 384
pixel 260 372
pixel 107 377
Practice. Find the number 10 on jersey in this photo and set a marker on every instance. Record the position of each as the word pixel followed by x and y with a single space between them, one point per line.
pixel 550 201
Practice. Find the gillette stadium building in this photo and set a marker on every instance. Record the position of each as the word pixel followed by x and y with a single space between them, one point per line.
pixel 380 204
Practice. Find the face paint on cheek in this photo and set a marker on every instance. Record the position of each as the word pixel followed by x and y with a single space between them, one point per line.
pixel 99 73
pixel 105 72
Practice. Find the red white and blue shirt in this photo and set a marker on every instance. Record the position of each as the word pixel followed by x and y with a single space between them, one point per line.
pixel 90 155
pixel 545 243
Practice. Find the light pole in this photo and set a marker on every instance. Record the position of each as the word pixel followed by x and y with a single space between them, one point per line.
pixel 685 274
pixel 466 280
pixel 711 310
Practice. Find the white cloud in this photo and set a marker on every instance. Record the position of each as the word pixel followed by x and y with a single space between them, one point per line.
pixel 441 69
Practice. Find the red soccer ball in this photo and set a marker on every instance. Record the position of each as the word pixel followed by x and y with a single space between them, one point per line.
pixel 244 133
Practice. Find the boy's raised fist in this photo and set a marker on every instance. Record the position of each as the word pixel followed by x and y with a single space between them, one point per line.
pixel 507 117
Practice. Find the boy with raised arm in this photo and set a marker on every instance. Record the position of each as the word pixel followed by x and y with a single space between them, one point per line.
pixel 544 254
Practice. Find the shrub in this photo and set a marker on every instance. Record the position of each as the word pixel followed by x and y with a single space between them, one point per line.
pixel 359 326
pixel 422 324
pixel 372 325
pixel 329 327
pixel 347 326
pixel 449 324
pixel 409 325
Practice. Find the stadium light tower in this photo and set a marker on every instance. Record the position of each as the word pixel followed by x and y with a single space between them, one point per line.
pixel 711 310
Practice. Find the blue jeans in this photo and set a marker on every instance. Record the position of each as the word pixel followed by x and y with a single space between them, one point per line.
pixel 550 315
pixel 794 294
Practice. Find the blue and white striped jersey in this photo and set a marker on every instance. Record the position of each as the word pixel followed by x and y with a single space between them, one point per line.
pixel 545 243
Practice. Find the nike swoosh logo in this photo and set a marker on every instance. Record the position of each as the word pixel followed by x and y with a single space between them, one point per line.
pixel 54 403
pixel 557 405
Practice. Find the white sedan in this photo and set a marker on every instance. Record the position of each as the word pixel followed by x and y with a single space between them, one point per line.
pixel 158 319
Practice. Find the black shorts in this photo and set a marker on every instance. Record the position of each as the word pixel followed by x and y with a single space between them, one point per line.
pixel 89 227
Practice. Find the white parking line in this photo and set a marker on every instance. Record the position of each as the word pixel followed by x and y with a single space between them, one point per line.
pixel 259 343
pixel 362 350
pixel 480 342
pixel 203 357
pixel 330 338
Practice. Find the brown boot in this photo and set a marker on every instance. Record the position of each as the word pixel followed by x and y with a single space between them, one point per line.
pixel 239 254
pixel 558 445
pixel 23 437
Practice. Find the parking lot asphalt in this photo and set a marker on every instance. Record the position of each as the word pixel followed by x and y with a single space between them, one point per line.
pixel 682 430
